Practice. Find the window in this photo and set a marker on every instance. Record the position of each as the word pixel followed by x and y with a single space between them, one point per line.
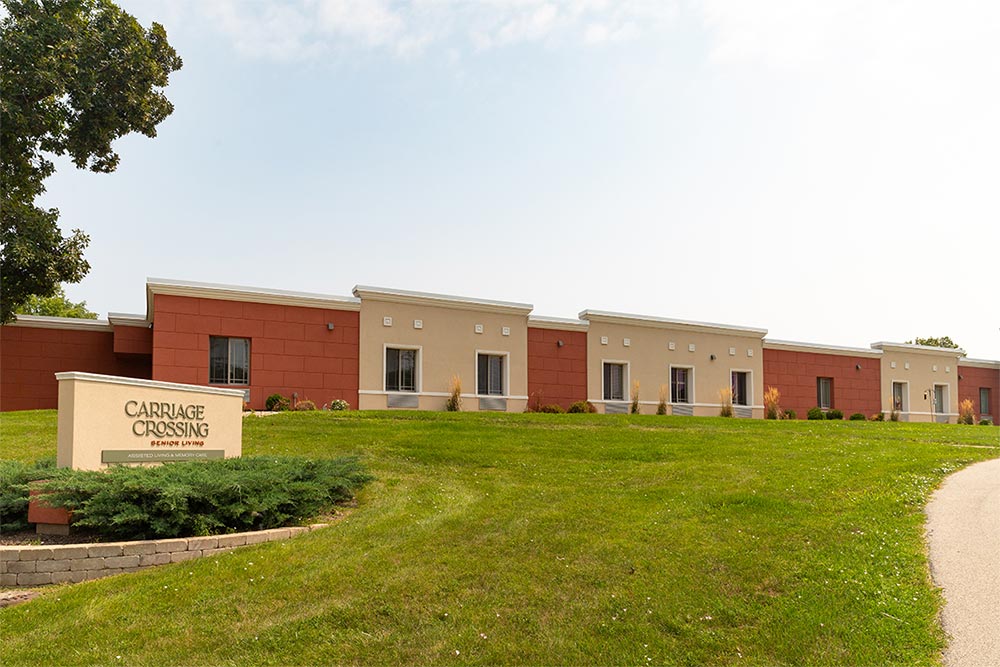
pixel 984 401
pixel 680 385
pixel 741 388
pixel 614 382
pixel 824 393
pixel 899 397
pixel 228 360
pixel 491 375
pixel 400 369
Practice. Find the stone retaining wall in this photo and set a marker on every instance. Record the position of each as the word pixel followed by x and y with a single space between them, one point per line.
pixel 72 563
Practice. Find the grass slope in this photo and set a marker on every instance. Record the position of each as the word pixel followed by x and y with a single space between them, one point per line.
pixel 547 539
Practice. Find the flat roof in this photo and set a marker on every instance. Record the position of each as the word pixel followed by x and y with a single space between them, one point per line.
pixel 568 323
pixel 667 323
pixel 444 300
pixel 910 347
pixel 250 294
pixel 70 323
pixel 774 344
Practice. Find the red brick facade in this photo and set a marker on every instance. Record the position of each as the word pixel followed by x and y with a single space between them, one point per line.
pixel 795 374
pixel 30 357
pixel 556 374
pixel 291 348
pixel 971 379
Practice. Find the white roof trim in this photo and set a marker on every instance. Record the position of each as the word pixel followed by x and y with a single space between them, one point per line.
pixel 443 300
pixel 910 347
pixel 543 322
pixel 979 363
pixel 67 323
pixel 128 319
pixel 152 384
pixel 772 344
pixel 249 294
pixel 665 323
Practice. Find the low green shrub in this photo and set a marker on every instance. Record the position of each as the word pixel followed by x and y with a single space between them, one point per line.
pixel 338 404
pixel 985 422
pixel 277 403
pixel 878 417
pixel 582 407
pixel 305 405
pixel 834 414
pixel 203 497
pixel 552 409
pixel 789 414
pixel 815 413
pixel 857 417
pixel 14 479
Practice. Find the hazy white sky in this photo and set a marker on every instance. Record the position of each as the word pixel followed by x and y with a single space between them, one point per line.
pixel 829 171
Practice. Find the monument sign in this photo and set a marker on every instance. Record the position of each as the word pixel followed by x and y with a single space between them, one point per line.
pixel 105 419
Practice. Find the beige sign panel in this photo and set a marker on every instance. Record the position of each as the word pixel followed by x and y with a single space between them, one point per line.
pixel 105 420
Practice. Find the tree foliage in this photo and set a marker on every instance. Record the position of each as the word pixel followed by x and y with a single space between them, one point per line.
pixel 940 341
pixel 75 75
pixel 57 305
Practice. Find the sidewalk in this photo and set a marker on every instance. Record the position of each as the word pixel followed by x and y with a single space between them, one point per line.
pixel 963 533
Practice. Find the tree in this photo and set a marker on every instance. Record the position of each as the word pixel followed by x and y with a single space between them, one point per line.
pixel 942 341
pixel 57 305
pixel 75 75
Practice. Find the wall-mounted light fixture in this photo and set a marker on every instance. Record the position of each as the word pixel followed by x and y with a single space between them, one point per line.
pixel 711 357
pixel 559 343
pixel 329 326
pixel 857 367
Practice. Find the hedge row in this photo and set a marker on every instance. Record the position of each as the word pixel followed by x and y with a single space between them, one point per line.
pixel 187 499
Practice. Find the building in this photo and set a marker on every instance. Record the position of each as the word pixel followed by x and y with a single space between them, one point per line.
pixel 397 349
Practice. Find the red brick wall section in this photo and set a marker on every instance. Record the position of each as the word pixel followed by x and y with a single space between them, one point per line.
pixel 969 382
pixel 133 340
pixel 30 358
pixel 795 373
pixel 291 349
pixel 556 374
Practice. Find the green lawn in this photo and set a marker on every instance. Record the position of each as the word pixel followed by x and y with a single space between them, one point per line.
pixel 547 539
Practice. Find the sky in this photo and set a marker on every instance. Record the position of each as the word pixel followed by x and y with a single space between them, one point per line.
pixel 828 171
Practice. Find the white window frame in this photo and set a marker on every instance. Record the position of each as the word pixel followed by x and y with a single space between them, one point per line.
pixel 936 409
pixel 818 402
pixel 749 372
pixel 690 381
pixel 626 381
pixel 419 367
pixel 905 408
pixel 506 372
pixel 229 366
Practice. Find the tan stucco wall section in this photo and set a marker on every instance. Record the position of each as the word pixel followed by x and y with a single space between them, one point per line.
pixel 92 418
pixel 921 377
pixel 448 346
pixel 650 358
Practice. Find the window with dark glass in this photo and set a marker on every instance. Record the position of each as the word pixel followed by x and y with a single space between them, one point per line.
pixel 680 385
pixel 400 370
pixel 614 382
pixel 228 360
pixel 491 375
pixel 984 400
pixel 741 394
pixel 824 392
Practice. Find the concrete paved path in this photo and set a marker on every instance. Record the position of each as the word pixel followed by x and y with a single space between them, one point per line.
pixel 963 532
